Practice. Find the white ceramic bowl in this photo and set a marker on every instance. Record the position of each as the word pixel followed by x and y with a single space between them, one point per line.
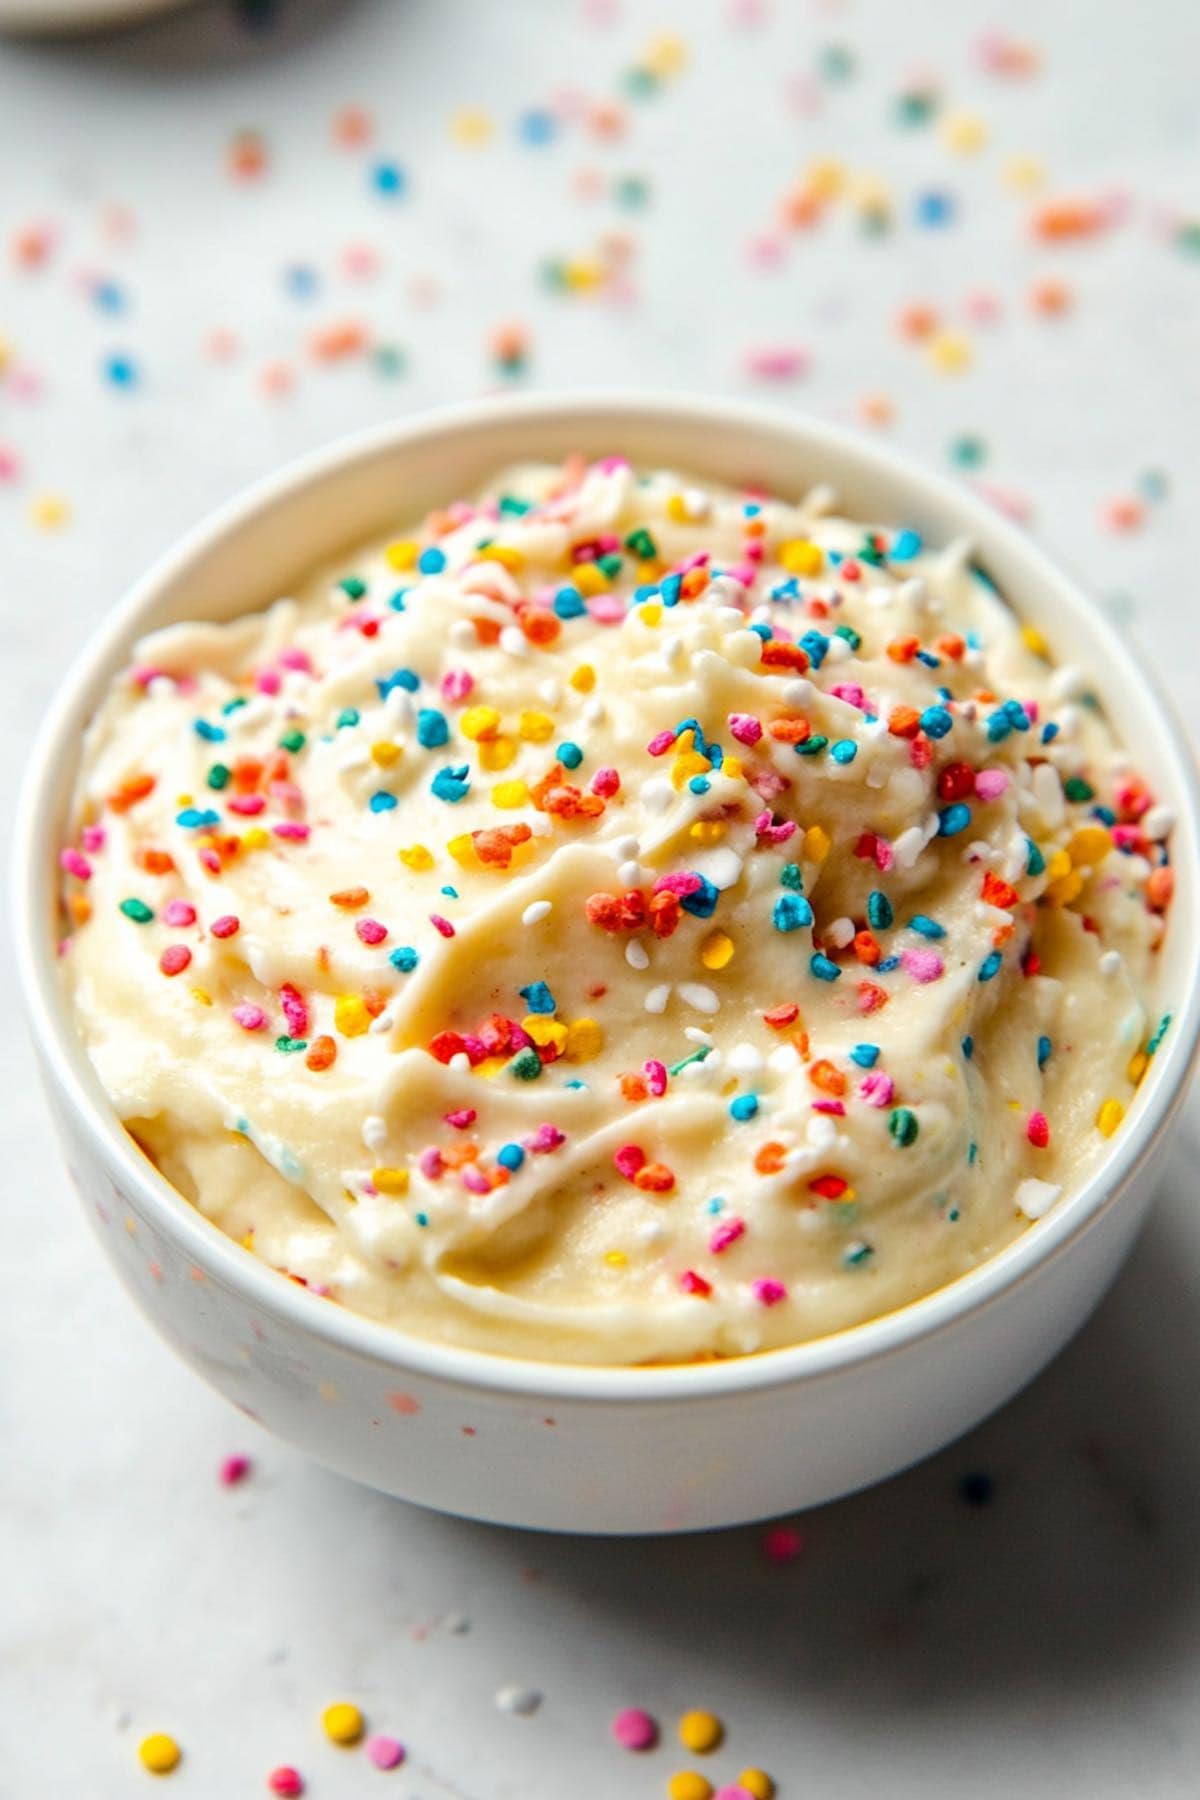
pixel 542 1444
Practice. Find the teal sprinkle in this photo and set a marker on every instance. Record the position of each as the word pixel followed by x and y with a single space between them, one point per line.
pixel 968 1047
pixel 404 958
pixel 349 715
pixel 790 877
pixel 1076 788
pixel 353 586
pixel 972 1153
pixel 696 1056
pixel 1163 1026
pixel 289 1045
pixel 212 734
pixel 926 927
pixel 231 706
pixel 538 998
pixel 569 754
pixel 433 728
pixel 218 776
pixel 990 965
pixel 194 819
pixel 382 801
pixel 849 634
pixel 865 1055
pixel 856 1254
pixel 526 1065
pixel 823 968
pixel 902 1125
pixel 292 740
pixel 812 746
pixel 715 1205
pixel 1044 1049
pixel 880 913
pixel 138 911
pixel 699 784
pixel 421 1218
pixel 1035 862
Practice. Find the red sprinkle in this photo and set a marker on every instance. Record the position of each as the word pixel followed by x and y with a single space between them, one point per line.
pixel 226 926
pixel 1038 1130
pixel 174 959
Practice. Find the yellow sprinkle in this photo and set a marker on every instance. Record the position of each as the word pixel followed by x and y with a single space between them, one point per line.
pixel 616 1259
pixel 343 1723
pixel 651 614
pixel 589 578
pixel 700 1731
pixel 1034 640
pixel 507 555
pixel 1138 1064
pixel 544 1030
pixel 385 753
pixel 826 177
pixel 731 768
pixel 1065 889
pixel 248 1241
pixel 581 274
pixel 816 844
pixel 183 799
pixel 48 511
pixel 688 1785
pixel 350 1015
pixel 491 1065
pixel 687 765
pixel 1109 1117
pixel 470 126
pixel 677 509
pixel 479 722
pixel 716 952
pixel 1024 173
pixel 799 557
pixel 497 753
pixel 758 1783
pixel 390 1181
pixel 585 1039
pixel 1089 846
pixel 535 727
pixel 708 831
pixel 159 1753
pixel 416 857
pixel 6 351
pixel 665 54
pixel 256 838
pixel 964 133
pixel 1057 865
pixel 949 352
pixel 402 554
pixel 462 849
pixel 509 794
pixel 202 995
pixel 583 679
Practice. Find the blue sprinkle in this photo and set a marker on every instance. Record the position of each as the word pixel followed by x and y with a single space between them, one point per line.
pixel 763 631
pixel 422 1218
pixel 844 751
pixel 451 783
pixel 433 728
pixel 968 1047
pixel 382 801
pixel 405 959
pixel 1044 1049
pixel 744 1107
pixel 1050 731
pixel 388 178
pixel 108 297
pixel 397 600
pixel 990 965
pixel 647 591
pixel 816 645
pixel 905 546
pixel 121 371
pixel 450 893
pixel 669 587
pixel 192 818
pixel 927 927
pixel 1016 714
pixel 999 726
pixel 538 998
pixel 212 734
pixel 929 659
pixel 431 561
pixel 821 967
pixel 935 208
pixel 301 281
pixel 953 819
pixel 703 903
pixel 569 754
pixel 537 127
pixel 715 1205
pixel 510 1156
pixel 408 679
pixel 887 965
pixel 569 603
pixel 716 756
pixel 786 590
pixel 699 784
pixel 865 1055
pixel 791 913
pixel 879 910
pixel 936 721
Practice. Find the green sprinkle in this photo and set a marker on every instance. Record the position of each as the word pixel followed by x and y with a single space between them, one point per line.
pixel 526 1065
pixel 851 636
pixel 293 741
pixel 219 776
pixel 903 1126
pixel 696 1056
pixel 854 1255
pixel 1076 788
pixel 640 544
pixel 289 1045
pixel 138 911
pixel 353 586
pixel 812 746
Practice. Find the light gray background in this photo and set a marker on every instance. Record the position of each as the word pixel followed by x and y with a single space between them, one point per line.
pixel 1046 1645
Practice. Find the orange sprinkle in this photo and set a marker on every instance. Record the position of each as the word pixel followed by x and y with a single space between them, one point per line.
pixel 790 731
pixel 904 721
pixel 130 792
pixel 827 1077
pixel 654 1178
pixel 322 1053
pixel 350 898
pixel 902 650
pixel 867 948
pixel 769 1159
pixel 156 862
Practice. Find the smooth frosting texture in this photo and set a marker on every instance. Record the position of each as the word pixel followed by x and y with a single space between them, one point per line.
pixel 618 921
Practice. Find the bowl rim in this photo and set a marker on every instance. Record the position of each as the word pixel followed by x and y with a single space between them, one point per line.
pixel 392 1348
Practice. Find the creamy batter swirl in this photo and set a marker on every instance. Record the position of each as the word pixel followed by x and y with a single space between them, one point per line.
pixel 620 921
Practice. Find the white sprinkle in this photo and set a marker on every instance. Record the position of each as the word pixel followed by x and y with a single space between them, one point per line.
pixel 541 824
pixel 595 712
pixel 537 909
pixel 723 867
pixel 657 793
pixel 1158 823
pixel 696 1034
pixel 1110 962
pixel 513 641
pixel 636 954
pixel 696 503
pixel 694 993
pixel 746 1059
pixel 382 1023
pixel 673 652
pixel 357 756
pixel 1035 1198
pixel 625 847
pixel 374 1131
pixel 821 1132
pixel 550 691
pixel 651 1231
pixel 784 1060
pixel 522 1702
pixel 460 1064
pixel 656 999
pixel 798 691
pixel 464 635
pixel 726 590
pixel 908 846
pixel 1068 682
pixel 631 874
pixel 161 687
pixel 839 650
pixel 912 592
pixel 841 932
pixel 398 707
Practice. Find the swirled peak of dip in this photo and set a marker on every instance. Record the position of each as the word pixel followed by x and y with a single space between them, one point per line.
pixel 618 920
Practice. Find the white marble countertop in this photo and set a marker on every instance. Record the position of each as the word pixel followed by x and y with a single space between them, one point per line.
pixel 1047 1643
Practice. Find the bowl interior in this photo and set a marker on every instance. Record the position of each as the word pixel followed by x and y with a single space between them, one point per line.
pixel 261 545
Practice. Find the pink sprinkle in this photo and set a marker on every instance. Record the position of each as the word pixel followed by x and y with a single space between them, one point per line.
pixel 268 681
pixel 385 1752
pixel 545 1138
pixel 208 859
pixel 606 609
pixel 768 1292
pixel 1038 1130
pixel 92 838
pixel 174 959
pixel 744 572
pixel 849 691
pixel 247 806
pixel 745 728
pixel 991 783
pixel 691 1283
pixel 683 882
pixel 179 912
pixel 296 659
pixel 289 830
pixel 877 1088
pixel 477 1051
pixel 833 1107
pixel 226 926
pixel 233 1470
pixel 882 851
pixel 605 782
pixel 285 1781
pixel 370 931
pixel 923 965
pixel 475 1181
pixel 773 834
pixel 659 745
pixel 782 1544
pixel 1126 837
pixel 777 362
pixel 634 1729
pixel 294 1010
pixel 727 1232
pixel 656 1076
pixel 461 1117
pixel 733 1791
pixel 457 684
pixel 430 1164
pixel 249 1016
pixel 629 1159
pixel 75 863
pixel 442 925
